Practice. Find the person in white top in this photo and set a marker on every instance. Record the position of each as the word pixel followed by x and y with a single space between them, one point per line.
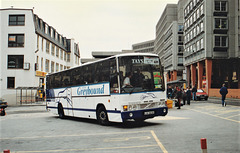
pixel 126 82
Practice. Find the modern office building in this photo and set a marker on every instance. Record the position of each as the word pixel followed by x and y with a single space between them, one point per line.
pixel 144 47
pixel 168 16
pixel 29 49
pixel 173 52
pixel 169 41
pixel 212 55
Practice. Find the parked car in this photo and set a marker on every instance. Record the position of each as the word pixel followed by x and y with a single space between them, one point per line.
pixel 201 94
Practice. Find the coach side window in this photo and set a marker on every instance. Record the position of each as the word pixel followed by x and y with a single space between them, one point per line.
pixel 113 76
pixel 88 75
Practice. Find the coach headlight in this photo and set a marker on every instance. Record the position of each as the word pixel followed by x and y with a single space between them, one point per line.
pixel 164 110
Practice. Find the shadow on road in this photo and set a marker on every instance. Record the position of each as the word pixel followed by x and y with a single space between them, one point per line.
pixel 125 125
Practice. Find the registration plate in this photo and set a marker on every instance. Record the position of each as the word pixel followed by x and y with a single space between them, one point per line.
pixel 149 113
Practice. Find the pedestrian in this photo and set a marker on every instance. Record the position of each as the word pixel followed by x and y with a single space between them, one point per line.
pixel 169 92
pixel 179 96
pixel 223 91
pixel 174 93
pixel 188 93
pixel 184 96
pixel 194 90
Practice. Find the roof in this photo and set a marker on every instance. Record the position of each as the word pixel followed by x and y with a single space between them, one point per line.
pixel 119 55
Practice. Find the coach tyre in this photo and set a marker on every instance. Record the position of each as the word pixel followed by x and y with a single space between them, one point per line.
pixel 60 111
pixel 102 116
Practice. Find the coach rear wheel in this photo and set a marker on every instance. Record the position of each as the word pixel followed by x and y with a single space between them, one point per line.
pixel 102 116
pixel 61 111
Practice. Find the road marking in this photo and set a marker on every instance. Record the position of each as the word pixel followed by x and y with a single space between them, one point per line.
pixel 127 138
pixel 227 111
pixel 158 142
pixel 214 115
pixel 233 116
pixel 169 118
pixel 87 149
pixel 76 135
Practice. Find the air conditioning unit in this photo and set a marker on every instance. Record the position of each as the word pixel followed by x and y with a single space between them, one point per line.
pixel 26 66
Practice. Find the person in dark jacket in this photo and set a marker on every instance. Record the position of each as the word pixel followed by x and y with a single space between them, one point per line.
pixel 223 91
pixel 169 92
pixel 179 97
pixel 184 96
pixel 194 90
pixel 188 93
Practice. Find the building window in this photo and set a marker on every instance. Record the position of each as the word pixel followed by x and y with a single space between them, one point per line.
pixel 57 67
pixel 10 82
pixel 198 13
pixel 16 20
pixel 190 35
pixel 38 42
pixel 201 10
pixel 42 45
pixel 221 6
pixel 180 28
pixel 61 67
pixel 201 44
pixel 201 26
pixel 53 50
pixel 190 21
pixel 57 52
pixel 198 45
pixel 220 41
pixel 41 64
pixel 61 54
pixel 65 56
pixel 37 60
pixel 68 57
pixel 47 66
pixel 190 6
pixel 16 40
pixel 47 46
pixel 180 60
pixel 52 67
pixel 220 23
pixel 194 17
pixel 180 38
pixel 15 61
pixel 194 32
pixel 194 47
pixel 197 30
pixel 180 49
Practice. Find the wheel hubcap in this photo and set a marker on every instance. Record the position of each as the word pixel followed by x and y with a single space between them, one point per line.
pixel 102 116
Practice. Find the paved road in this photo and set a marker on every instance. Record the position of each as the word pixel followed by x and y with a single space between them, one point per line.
pixel 32 129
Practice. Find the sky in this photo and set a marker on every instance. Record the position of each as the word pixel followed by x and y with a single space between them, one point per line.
pixel 98 25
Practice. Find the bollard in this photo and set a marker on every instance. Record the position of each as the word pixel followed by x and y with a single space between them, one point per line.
pixel 203 145
pixel 6 151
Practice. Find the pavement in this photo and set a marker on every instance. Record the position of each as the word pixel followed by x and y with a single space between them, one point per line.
pixel 37 107
pixel 40 107
pixel 229 101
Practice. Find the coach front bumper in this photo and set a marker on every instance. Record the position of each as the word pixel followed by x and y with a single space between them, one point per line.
pixel 144 114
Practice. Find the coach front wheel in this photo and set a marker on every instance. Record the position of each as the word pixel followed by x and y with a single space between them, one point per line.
pixel 102 116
